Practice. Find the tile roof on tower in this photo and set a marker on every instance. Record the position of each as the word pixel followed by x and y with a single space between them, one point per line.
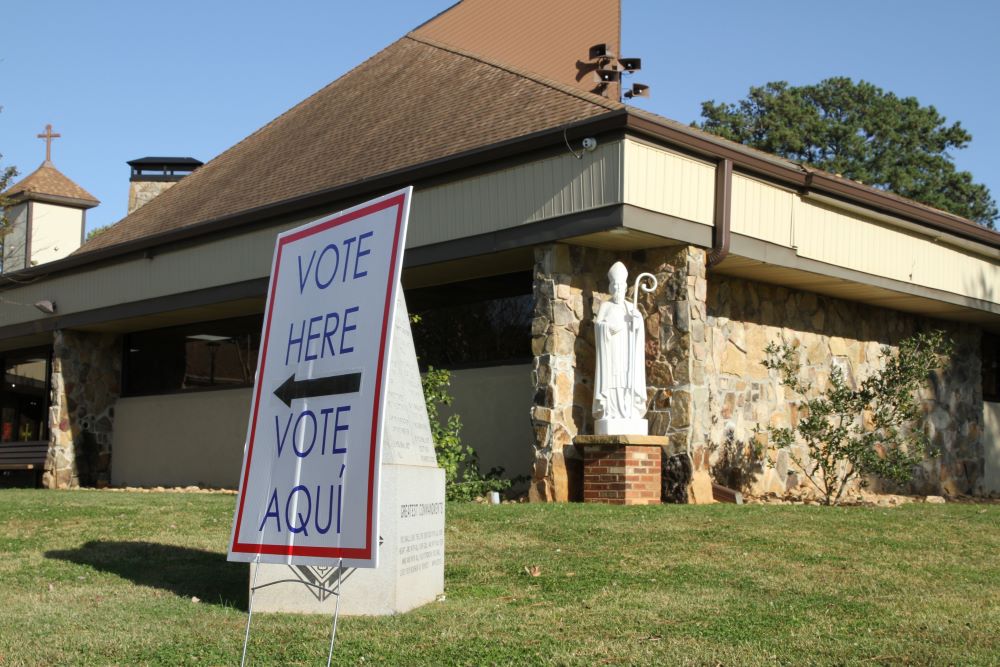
pixel 49 182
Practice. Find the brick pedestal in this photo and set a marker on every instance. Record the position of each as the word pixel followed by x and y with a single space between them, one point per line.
pixel 621 469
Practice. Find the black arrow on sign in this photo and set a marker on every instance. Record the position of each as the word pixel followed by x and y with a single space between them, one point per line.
pixel 290 389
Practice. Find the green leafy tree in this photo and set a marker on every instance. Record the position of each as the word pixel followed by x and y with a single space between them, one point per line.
pixel 861 132
pixel 7 174
pixel 851 434
pixel 97 231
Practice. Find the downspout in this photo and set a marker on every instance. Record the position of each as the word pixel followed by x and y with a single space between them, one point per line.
pixel 723 210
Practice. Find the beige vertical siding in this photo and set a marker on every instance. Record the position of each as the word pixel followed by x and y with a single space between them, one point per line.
pixel 517 195
pixel 762 211
pixel 218 262
pixel 845 239
pixel 667 182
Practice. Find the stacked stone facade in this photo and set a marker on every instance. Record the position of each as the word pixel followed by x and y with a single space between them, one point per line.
pixel 707 387
pixel 141 193
pixel 86 372
pixel 744 317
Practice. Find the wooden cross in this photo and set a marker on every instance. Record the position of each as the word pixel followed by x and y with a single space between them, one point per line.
pixel 48 136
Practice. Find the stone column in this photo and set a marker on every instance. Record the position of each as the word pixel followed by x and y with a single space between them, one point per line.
pixel 558 413
pixel 86 375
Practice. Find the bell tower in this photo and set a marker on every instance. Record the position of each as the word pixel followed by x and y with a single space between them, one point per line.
pixel 47 215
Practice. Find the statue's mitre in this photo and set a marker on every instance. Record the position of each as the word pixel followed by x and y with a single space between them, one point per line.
pixel 618 272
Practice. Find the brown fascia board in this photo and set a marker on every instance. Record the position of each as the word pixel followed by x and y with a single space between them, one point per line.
pixel 809 180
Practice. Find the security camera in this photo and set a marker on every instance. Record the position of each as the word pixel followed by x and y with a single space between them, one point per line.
pixel 590 144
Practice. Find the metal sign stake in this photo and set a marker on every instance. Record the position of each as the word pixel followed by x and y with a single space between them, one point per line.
pixel 253 587
pixel 336 612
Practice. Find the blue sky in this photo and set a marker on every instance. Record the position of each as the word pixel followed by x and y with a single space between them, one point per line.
pixel 121 80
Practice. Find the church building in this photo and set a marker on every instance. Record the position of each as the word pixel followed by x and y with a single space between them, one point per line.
pixel 532 175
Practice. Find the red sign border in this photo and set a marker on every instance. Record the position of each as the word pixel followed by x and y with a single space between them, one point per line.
pixel 311 551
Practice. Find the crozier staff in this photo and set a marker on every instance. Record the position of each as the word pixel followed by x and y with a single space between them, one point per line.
pixel 620 379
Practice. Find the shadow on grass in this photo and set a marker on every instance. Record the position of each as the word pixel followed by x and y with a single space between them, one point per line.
pixel 180 570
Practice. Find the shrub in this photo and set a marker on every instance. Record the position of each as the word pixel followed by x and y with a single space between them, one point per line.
pixel 851 434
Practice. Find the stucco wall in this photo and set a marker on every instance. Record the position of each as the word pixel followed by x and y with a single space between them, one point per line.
pixel 197 438
pixel 495 406
pixel 180 439
pixel 991 447
pixel 56 231
pixel 13 241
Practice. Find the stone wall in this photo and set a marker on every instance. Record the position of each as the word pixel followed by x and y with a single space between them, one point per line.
pixel 743 317
pixel 141 193
pixel 705 342
pixel 570 285
pixel 86 372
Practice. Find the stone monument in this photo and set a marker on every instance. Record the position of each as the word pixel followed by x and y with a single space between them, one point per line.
pixel 411 515
pixel 621 461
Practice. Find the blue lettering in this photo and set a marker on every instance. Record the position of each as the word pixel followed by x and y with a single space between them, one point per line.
pixel 294 341
pixel 273 502
pixel 328 332
pixel 347 327
pixel 337 428
pixel 304 276
pixel 310 337
pixel 311 416
pixel 361 253
pixel 347 245
pixel 336 263
pixel 329 516
pixel 303 520
pixel 279 437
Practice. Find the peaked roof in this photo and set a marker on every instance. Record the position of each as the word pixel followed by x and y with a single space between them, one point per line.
pixel 48 183
pixel 414 102
pixel 552 38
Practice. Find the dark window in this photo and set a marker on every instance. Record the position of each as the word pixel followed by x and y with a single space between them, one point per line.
pixel 24 396
pixel 479 322
pixel 209 355
pixel 991 367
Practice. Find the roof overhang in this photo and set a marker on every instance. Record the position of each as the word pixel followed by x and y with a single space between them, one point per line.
pixel 70 202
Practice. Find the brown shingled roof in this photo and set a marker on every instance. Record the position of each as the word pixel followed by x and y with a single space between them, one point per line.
pixel 47 181
pixel 415 101
pixel 419 101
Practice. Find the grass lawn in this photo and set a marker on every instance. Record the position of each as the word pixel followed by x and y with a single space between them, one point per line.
pixel 94 578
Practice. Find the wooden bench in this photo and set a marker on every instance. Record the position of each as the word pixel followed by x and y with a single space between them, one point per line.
pixel 23 456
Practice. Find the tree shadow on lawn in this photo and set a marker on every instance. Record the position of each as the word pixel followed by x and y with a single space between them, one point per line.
pixel 180 570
